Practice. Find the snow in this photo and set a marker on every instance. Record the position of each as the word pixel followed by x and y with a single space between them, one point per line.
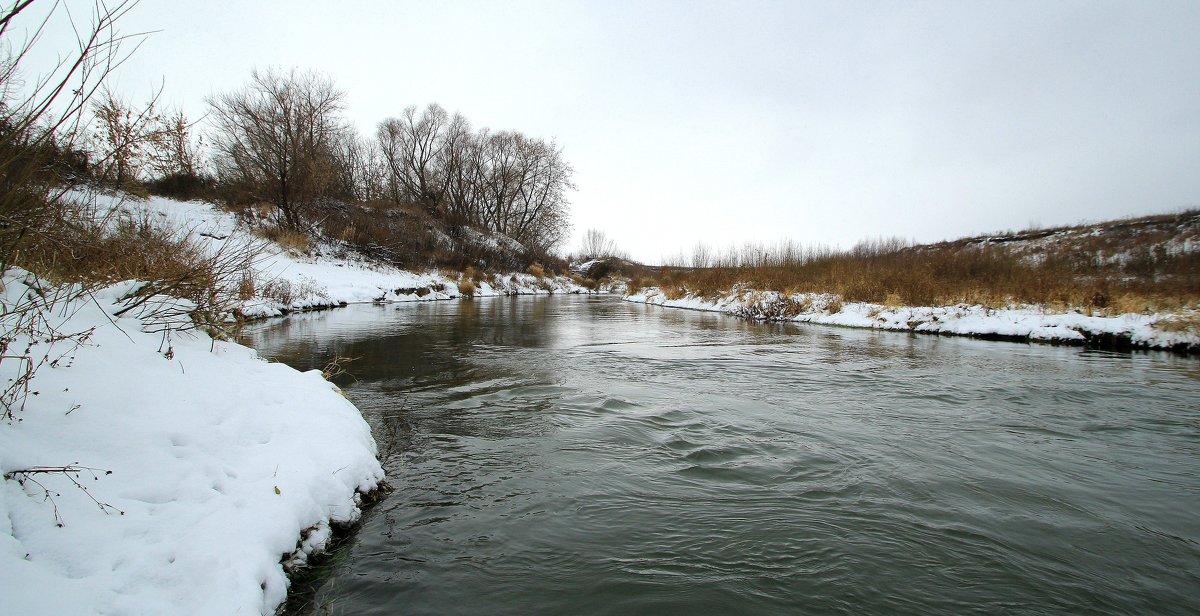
pixel 220 463
pixel 586 266
pixel 323 279
pixel 205 470
pixel 1018 322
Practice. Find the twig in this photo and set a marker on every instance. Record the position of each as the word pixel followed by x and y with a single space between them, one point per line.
pixel 71 472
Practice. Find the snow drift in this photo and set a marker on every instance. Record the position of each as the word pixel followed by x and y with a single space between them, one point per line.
pixel 200 466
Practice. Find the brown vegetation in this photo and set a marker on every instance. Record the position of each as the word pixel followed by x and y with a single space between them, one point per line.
pixel 47 158
pixel 1135 265
pixel 288 239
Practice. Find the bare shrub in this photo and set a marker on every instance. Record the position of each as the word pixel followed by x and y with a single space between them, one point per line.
pixel 598 245
pixel 246 288
pixel 289 239
pixel 29 338
pixel 288 293
pixel 1188 324
pixel 42 158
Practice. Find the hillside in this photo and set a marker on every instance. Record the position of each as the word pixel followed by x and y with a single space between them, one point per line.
pixel 1123 243
pixel 1131 283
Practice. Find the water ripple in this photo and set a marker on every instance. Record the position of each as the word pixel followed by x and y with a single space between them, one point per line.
pixel 584 456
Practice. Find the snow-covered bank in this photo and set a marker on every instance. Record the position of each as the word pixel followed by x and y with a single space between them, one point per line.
pixel 199 467
pixel 330 276
pixel 1178 332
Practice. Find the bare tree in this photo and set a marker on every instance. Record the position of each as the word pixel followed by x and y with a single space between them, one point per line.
pixel 597 245
pixel 500 181
pixel 175 148
pixel 411 145
pixel 276 138
pixel 702 256
pixel 539 215
pixel 457 166
pixel 361 170
pixel 124 137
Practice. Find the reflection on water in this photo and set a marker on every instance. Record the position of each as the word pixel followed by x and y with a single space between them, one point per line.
pixel 586 455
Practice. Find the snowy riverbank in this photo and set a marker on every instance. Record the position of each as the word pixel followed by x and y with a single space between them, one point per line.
pixel 201 466
pixel 1153 331
pixel 152 473
pixel 330 276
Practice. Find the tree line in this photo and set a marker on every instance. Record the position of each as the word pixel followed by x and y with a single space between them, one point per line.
pixel 283 139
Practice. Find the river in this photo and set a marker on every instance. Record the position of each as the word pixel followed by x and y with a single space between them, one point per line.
pixel 584 455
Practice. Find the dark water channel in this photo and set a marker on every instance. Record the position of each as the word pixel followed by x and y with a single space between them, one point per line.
pixel 574 455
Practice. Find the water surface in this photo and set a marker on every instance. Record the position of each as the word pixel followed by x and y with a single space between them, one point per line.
pixel 575 455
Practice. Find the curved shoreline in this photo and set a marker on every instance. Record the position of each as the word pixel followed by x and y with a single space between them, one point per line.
pixel 1026 324
pixel 177 470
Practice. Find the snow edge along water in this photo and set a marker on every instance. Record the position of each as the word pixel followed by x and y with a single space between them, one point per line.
pixel 1017 323
pixel 197 466
pixel 201 473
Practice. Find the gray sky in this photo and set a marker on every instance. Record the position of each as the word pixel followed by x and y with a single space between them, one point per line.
pixel 725 122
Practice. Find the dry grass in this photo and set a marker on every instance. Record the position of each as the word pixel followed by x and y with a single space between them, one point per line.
pixel 85 248
pixel 247 287
pixel 536 269
pixel 286 292
pixel 1183 324
pixel 675 291
pixel 1145 278
pixel 637 284
pixel 474 275
pixel 467 287
pixel 288 239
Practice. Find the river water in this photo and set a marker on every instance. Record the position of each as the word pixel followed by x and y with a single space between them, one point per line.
pixel 584 455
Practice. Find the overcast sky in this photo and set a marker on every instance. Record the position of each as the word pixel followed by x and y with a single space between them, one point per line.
pixel 725 122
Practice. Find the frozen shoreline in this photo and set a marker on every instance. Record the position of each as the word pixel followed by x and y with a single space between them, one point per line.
pixel 325 279
pixel 223 466
pixel 1018 323
pixel 206 465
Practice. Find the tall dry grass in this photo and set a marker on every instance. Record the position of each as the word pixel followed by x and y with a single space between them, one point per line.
pixel 1118 270
pixel 94 249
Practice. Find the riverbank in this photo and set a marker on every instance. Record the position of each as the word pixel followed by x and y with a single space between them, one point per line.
pixel 152 469
pixel 329 274
pixel 153 472
pixel 1179 332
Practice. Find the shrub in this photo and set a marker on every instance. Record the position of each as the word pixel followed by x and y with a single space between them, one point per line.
pixel 184 186
pixel 288 293
pixel 675 291
pixel 1189 324
pixel 291 240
